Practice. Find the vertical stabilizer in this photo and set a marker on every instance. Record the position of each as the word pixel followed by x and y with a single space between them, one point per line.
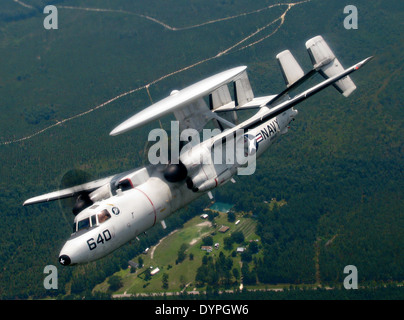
pixel 291 69
pixel 324 60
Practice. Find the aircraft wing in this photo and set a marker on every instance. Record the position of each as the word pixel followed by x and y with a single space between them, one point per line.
pixel 69 192
pixel 188 105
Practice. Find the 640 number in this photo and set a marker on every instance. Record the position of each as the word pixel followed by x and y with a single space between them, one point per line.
pixel 102 237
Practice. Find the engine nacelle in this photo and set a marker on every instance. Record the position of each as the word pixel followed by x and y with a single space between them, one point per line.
pixel 101 193
pixel 203 173
pixel 214 182
pixel 195 157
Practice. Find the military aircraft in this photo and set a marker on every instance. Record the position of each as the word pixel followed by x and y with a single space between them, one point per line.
pixel 112 211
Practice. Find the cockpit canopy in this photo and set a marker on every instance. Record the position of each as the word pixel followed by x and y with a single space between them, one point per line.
pixel 91 221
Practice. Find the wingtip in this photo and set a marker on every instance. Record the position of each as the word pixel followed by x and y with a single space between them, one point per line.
pixel 116 131
pixel 113 133
pixel 362 63
pixel 368 59
pixel 27 202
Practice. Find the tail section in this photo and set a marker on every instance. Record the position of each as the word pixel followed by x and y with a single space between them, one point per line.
pixel 327 64
pixel 292 73
pixel 290 68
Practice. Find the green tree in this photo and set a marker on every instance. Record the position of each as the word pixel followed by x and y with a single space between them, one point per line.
pixel 207 241
pixel 231 216
pixel 236 273
pixel 249 277
pixel 237 237
pixel 115 282
pixel 147 275
pixel 140 261
pixel 246 256
pixel 181 253
pixel 165 281
pixel 253 247
pixel 228 243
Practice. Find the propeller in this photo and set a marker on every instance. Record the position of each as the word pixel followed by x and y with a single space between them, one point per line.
pixel 71 178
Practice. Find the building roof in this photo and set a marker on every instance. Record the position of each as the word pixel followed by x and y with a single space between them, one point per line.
pixel 155 271
pixel 223 229
pixel 133 264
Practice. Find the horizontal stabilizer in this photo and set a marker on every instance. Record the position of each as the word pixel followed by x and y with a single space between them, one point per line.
pixel 324 60
pixel 292 73
pixel 285 105
pixel 291 70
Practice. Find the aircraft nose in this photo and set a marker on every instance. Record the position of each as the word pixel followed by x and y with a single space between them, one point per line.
pixel 64 260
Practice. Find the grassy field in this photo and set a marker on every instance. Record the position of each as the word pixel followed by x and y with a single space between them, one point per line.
pixel 181 276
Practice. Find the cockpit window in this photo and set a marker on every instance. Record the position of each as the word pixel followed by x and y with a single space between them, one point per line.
pixel 83 224
pixel 103 216
pixel 125 185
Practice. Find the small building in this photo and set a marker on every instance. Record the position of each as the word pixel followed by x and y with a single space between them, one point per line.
pixel 223 229
pixel 155 271
pixel 204 216
pixel 207 248
pixel 240 249
pixel 217 245
pixel 133 264
pixel 146 251
pixel 237 222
